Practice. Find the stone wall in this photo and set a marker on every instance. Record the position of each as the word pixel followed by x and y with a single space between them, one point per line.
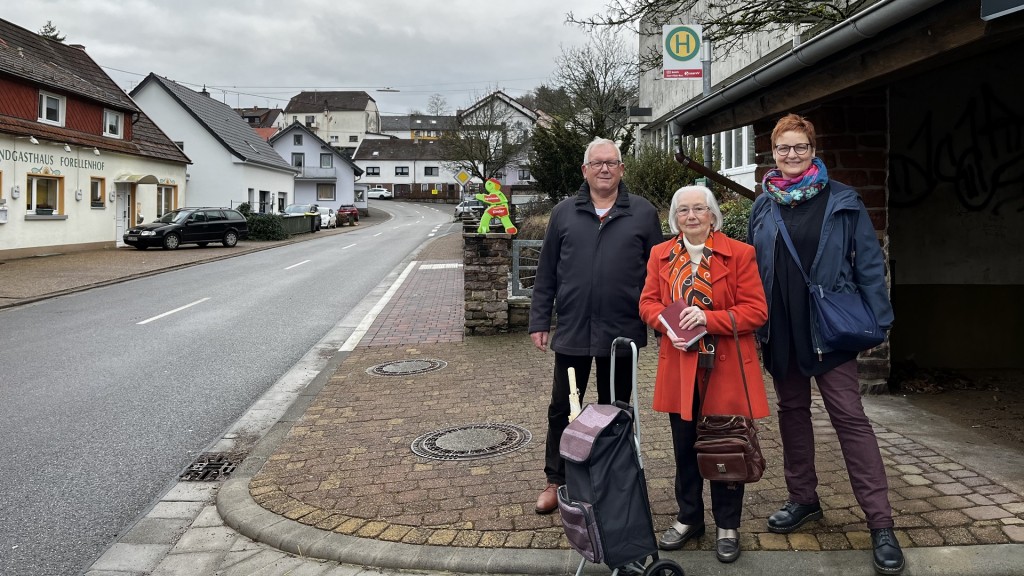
pixel 487 260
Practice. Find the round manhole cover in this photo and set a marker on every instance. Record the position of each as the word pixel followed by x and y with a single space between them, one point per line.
pixel 471 441
pixel 406 367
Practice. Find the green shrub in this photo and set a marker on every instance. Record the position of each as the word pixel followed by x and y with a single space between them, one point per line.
pixel 265 227
pixel 735 217
pixel 245 209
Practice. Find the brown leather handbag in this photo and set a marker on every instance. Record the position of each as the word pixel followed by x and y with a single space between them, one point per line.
pixel 727 445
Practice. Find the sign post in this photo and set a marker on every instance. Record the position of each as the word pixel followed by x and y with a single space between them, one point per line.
pixel 463 178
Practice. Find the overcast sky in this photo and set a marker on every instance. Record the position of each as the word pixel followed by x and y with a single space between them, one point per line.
pixel 262 52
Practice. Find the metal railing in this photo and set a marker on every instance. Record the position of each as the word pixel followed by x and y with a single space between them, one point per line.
pixel 525 255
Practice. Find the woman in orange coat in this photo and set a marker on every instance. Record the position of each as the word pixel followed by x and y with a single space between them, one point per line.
pixel 715 275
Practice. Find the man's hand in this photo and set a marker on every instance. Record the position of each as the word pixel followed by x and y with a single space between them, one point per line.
pixel 540 340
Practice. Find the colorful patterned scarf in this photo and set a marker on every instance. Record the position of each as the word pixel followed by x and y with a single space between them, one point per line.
pixel 792 191
pixel 694 287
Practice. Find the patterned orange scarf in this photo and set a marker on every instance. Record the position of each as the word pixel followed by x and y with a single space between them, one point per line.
pixel 694 287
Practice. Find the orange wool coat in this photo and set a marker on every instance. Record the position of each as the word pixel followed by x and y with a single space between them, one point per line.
pixel 735 286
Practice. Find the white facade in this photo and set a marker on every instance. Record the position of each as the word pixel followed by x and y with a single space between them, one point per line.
pixel 414 175
pixel 341 128
pixel 96 196
pixel 218 177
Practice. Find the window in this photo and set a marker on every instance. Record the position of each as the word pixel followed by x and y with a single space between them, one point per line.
pixel 96 186
pixel 51 108
pixel 310 121
pixel 164 200
pixel 373 170
pixel 431 171
pixel 112 123
pixel 297 139
pixel 325 192
pixel 334 138
pixel 524 174
pixel 327 160
pixel 353 138
pixel 44 195
pixel 401 170
pixel 180 144
pixel 298 159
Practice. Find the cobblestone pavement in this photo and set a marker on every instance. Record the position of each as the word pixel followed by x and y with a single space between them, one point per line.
pixel 343 483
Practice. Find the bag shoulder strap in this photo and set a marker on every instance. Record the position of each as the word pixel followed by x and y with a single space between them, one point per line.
pixel 743 373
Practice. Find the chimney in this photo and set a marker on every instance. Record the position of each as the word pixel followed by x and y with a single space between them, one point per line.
pixel 204 92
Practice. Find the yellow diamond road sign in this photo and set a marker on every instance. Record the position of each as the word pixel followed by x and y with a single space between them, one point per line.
pixel 463 177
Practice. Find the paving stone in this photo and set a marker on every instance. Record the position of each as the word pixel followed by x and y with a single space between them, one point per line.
pixel 834 541
pixel 925 537
pixel 986 512
pixel 1014 533
pixel 989 534
pixel 957 536
pixel 940 518
pixel 952 488
pixel 950 502
pixel 803 542
pixel 980 500
pixel 769 541
pixel 915 480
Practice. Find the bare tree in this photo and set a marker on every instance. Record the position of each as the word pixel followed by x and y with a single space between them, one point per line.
pixel 437 105
pixel 600 80
pixel 50 31
pixel 726 23
pixel 491 137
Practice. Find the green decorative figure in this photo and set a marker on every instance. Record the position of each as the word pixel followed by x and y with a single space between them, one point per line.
pixel 497 207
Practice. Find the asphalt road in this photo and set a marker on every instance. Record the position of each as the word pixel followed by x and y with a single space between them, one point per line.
pixel 107 395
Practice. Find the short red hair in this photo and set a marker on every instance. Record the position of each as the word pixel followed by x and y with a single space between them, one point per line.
pixel 794 123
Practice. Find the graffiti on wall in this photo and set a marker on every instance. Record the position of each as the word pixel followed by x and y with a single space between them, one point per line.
pixel 979 157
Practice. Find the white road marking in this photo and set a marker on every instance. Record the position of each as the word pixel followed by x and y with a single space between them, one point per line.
pixel 363 326
pixel 297 265
pixel 349 246
pixel 172 311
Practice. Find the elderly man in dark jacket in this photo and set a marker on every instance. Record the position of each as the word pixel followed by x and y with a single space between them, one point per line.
pixel 591 271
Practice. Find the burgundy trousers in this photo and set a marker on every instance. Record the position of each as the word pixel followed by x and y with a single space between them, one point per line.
pixel 840 391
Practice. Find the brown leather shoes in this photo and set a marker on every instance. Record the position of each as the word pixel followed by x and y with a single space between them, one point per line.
pixel 547 502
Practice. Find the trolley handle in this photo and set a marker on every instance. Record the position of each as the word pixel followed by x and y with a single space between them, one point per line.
pixel 635 401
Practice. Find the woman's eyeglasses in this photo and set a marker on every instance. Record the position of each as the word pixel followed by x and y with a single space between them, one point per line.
pixel 800 149
pixel 697 210
pixel 598 164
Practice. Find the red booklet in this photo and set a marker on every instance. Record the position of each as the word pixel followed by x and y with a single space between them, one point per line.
pixel 670 320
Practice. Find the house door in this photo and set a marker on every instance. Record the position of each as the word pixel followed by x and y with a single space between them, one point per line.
pixel 122 209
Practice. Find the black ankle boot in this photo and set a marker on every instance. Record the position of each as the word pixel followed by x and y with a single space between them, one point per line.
pixel 888 556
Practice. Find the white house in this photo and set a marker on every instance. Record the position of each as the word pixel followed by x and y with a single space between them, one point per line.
pixel 341 119
pixel 326 175
pixel 79 161
pixel 505 121
pixel 411 169
pixel 232 164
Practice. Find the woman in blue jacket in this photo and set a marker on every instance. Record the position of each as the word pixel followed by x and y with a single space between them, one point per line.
pixel 838 249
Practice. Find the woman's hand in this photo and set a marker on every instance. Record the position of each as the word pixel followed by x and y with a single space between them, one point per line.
pixel 691 317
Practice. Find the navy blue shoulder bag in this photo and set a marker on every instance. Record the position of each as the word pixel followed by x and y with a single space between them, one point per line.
pixel 844 320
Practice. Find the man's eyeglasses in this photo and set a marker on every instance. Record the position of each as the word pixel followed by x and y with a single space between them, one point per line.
pixel 697 210
pixel 597 164
pixel 800 149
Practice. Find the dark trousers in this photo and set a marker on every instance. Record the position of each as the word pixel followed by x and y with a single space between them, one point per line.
pixel 558 410
pixel 726 502
pixel 840 391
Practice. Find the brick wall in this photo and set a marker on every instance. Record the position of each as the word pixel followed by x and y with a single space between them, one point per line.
pixel 487 260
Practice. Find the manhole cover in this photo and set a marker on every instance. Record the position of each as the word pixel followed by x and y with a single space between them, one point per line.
pixel 209 468
pixel 471 441
pixel 406 367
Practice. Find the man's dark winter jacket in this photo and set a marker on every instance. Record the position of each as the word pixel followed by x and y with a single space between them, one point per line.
pixel 592 271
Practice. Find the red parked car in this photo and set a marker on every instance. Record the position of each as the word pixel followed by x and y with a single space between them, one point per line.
pixel 348 214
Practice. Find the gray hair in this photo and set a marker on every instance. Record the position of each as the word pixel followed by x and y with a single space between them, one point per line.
pixel 709 199
pixel 601 142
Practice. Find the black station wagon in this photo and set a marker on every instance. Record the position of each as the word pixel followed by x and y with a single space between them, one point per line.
pixel 190 226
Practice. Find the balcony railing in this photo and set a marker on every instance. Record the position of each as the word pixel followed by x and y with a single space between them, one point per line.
pixel 311 172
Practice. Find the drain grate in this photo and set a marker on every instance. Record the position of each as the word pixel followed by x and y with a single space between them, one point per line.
pixel 471 441
pixel 406 367
pixel 209 468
